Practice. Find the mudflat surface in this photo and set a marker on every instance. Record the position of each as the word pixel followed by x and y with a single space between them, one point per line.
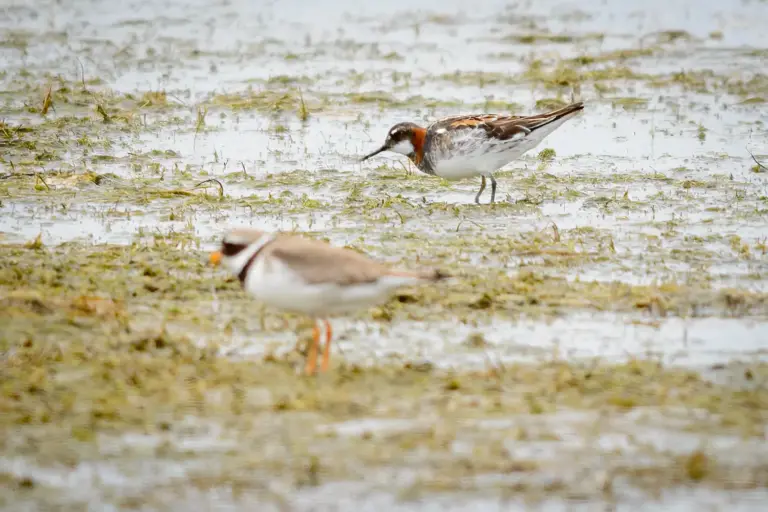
pixel 602 345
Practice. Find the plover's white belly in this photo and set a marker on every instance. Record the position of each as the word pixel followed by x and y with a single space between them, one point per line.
pixel 282 288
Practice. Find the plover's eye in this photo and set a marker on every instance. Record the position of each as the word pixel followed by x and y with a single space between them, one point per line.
pixel 231 249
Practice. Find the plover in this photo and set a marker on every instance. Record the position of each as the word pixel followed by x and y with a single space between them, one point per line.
pixel 311 277
pixel 466 146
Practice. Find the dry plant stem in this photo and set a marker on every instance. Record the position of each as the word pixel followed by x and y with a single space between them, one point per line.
pixel 212 180
pixel 759 165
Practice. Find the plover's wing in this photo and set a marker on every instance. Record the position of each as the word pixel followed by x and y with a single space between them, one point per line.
pixel 317 262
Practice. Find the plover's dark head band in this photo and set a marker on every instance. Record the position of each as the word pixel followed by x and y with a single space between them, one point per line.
pixel 230 249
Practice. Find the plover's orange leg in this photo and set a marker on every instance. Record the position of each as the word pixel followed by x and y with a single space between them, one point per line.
pixel 311 364
pixel 482 187
pixel 327 350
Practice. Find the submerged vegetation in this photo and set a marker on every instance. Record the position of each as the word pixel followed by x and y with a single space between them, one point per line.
pixel 112 366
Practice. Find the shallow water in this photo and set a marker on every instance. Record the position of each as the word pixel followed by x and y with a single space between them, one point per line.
pixel 652 186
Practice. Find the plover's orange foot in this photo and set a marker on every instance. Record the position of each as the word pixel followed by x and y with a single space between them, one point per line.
pixel 327 350
pixel 310 367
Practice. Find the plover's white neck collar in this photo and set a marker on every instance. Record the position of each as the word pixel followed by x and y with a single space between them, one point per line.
pixel 242 261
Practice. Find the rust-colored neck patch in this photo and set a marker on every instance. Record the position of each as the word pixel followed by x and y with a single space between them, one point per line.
pixel 417 139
